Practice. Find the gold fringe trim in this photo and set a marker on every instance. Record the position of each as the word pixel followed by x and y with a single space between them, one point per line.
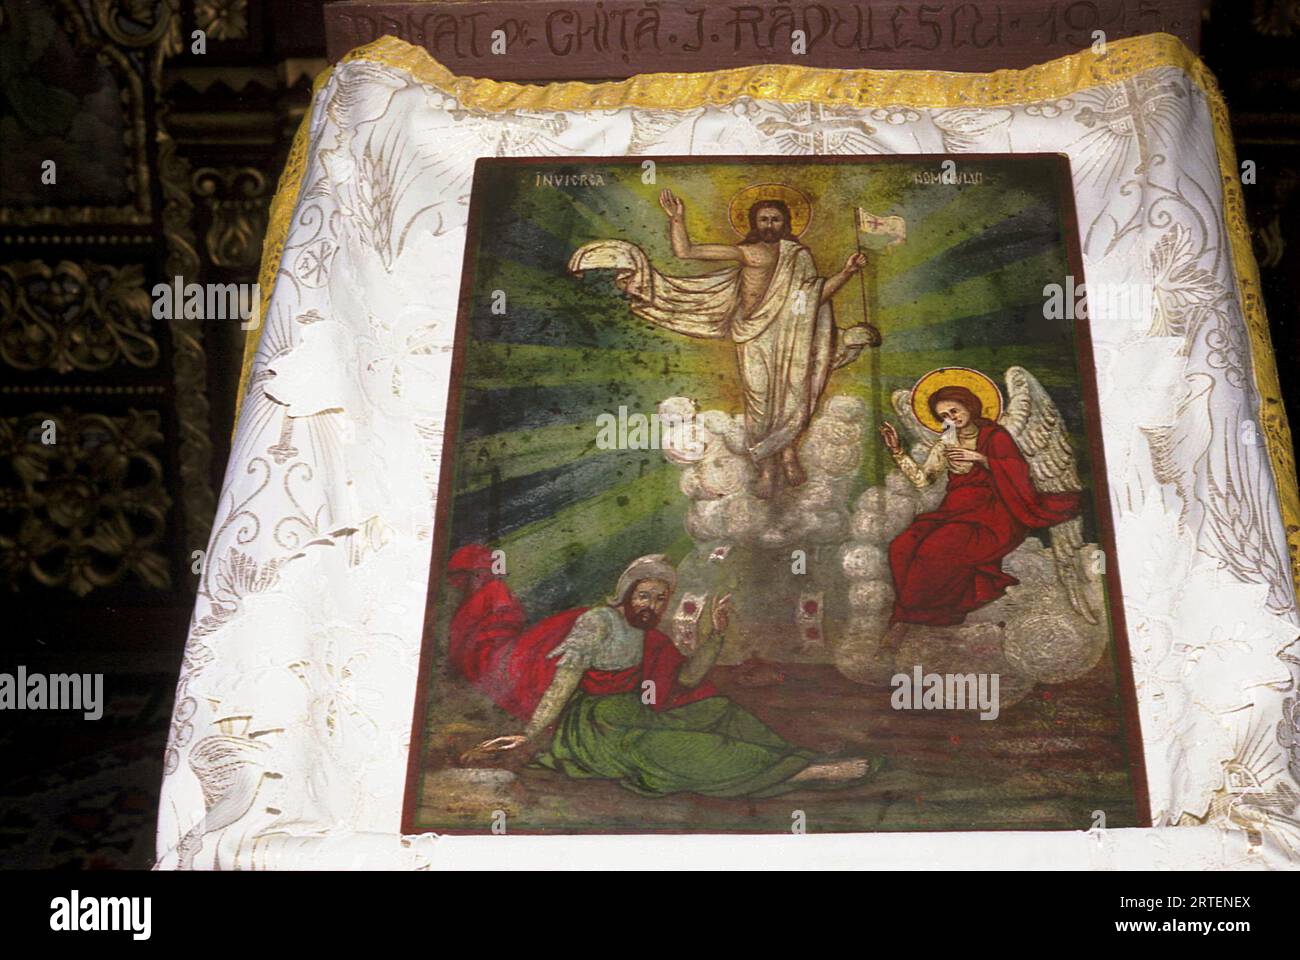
pixel 861 88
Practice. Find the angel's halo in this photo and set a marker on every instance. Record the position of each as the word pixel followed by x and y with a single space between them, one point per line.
pixel 980 384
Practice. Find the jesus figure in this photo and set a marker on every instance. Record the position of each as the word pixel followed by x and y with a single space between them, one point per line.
pixel 771 304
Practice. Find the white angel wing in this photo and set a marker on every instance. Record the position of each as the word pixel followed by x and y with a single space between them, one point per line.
pixel 914 431
pixel 1034 422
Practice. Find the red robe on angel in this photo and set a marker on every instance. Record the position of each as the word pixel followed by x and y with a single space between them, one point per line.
pixel 949 561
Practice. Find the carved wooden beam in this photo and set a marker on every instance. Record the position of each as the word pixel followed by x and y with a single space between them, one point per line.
pixel 609 39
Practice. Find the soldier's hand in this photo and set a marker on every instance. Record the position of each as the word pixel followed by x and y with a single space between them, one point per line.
pixel 489 749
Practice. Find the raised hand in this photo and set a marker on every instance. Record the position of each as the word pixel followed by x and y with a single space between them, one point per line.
pixel 855 262
pixel 890 436
pixel 672 206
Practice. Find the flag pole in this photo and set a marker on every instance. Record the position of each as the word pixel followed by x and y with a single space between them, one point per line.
pixel 874 360
pixel 857 239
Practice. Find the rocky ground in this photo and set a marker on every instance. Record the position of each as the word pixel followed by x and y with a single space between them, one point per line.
pixel 1047 762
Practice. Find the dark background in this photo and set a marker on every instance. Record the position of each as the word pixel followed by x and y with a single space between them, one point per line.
pixel 206 140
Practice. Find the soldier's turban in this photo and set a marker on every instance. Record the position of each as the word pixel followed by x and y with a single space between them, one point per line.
pixel 653 566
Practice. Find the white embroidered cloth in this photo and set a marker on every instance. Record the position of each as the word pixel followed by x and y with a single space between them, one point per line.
pixel 289 743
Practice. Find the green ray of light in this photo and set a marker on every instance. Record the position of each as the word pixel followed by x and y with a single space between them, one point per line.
pixel 494 365
pixel 518 453
pixel 969 214
pixel 1015 283
pixel 521 453
pixel 644 396
pixel 908 366
pixel 536 550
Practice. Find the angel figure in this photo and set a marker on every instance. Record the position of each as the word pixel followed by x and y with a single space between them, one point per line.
pixel 1008 473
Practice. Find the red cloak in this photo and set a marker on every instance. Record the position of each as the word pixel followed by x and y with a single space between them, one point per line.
pixel 949 561
pixel 490 648
pixel 483 627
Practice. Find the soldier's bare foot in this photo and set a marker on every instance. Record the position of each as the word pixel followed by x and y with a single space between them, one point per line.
pixel 791 467
pixel 837 772
pixel 766 485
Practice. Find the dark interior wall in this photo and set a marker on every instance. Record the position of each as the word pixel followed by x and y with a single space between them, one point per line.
pixel 165 161
pixel 1253 48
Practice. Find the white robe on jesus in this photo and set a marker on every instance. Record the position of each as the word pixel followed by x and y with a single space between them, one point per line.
pixel 785 346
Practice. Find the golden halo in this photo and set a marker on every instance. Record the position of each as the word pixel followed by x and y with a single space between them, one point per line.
pixel 990 396
pixel 798 202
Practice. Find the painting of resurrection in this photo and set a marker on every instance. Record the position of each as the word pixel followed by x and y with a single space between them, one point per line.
pixel 772 499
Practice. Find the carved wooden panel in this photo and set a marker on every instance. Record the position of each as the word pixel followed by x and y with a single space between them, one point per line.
pixel 104 420
pixel 599 39
pixel 133 155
